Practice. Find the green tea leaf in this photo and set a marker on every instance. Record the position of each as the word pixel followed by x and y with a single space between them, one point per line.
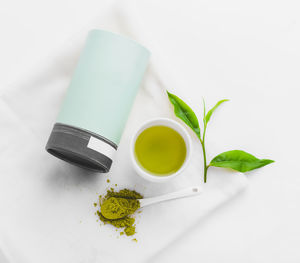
pixel 210 112
pixel 185 113
pixel 239 161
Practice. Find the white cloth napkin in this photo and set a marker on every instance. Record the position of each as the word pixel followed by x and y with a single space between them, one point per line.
pixel 46 205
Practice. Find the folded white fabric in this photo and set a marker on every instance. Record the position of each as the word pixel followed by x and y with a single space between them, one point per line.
pixel 46 205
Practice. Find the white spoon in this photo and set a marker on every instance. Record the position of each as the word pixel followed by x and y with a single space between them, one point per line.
pixel 190 191
pixel 106 206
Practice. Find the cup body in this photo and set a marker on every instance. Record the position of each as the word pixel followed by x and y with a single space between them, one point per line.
pixel 98 101
pixel 160 122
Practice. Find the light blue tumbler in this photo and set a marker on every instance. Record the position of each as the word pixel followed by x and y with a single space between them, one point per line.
pixel 98 100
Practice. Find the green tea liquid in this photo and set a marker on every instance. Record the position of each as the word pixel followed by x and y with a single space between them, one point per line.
pixel 160 150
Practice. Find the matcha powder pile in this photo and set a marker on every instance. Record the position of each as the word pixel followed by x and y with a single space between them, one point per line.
pixel 117 208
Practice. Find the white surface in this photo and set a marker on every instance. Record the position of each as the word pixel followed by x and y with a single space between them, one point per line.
pixel 245 51
pixel 56 206
pixel 33 178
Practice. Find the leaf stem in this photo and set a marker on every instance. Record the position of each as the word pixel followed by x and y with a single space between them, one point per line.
pixel 204 160
pixel 204 152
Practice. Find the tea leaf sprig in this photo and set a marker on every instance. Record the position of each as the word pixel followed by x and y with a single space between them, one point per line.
pixel 235 159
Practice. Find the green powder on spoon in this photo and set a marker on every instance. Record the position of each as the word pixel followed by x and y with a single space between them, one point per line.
pixel 117 209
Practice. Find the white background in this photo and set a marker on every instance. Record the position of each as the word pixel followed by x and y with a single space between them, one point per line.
pixel 255 62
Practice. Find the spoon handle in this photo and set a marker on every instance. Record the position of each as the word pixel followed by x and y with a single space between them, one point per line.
pixel 190 191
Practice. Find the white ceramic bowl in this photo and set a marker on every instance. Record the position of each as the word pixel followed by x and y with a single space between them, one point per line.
pixel 160 122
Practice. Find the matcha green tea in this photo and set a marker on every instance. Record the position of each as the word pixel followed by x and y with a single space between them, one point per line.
pixel 160 150
pixel 117 209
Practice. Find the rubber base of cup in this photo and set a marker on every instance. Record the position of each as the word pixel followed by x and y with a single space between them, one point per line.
pixel 70 144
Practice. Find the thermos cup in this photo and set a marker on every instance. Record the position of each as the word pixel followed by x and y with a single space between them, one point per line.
pixel 98 101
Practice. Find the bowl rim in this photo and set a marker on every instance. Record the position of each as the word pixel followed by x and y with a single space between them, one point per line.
pixel 160 122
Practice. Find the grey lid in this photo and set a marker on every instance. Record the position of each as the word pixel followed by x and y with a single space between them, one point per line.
pixel 71 144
